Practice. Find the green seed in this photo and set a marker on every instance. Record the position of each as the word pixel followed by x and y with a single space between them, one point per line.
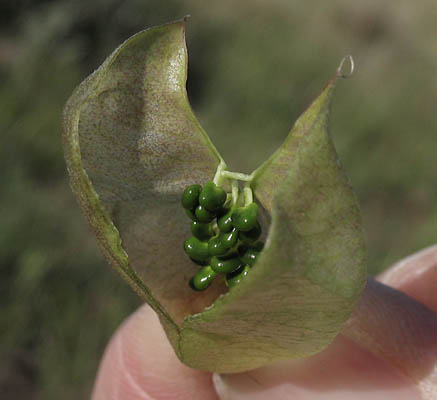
pixel 224 265
pixel 203 278
pixel 201 231
pixel 201 263
pixel 245 218
pixel 230 238
pixel 190 197
pixel 258 246
pixel 216 246
pixel 196 249
pixel 190 214
pixel 220 245
pixel 212 197
pixel 203 215
pixel 235 277
pixel 249 256
pixel 225 221
pixel 251 236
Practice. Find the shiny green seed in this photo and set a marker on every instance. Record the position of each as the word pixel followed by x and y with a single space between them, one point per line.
pixel 245 218
pixel 235 277
pixel 225 221
pixel 190 197
pixel 251 236
pixel 201 263
pixel 230 238
pixel 196 249
pixel 216 246
pixel 249 256
pixel 203 215
pixel 191 214
pixel 203 278
pixel 212 197
pixel 221 244
pixel 258 246
pixel 201 231
pixel 224 265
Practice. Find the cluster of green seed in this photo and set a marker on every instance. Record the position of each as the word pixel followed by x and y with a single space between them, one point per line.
pixel 225 235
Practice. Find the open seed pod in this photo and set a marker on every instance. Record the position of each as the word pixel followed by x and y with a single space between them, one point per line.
pixel 132 144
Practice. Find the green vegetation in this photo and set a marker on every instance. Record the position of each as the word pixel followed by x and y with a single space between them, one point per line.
pixel 253 69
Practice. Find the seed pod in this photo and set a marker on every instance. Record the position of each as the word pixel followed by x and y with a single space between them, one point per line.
pixel 245 218
pixel 190 197
pixel 196 249
pixel 223 265
pixel 203 278
pixel 201 230
pixel 203 215
pixel 212 197
pixel 131 142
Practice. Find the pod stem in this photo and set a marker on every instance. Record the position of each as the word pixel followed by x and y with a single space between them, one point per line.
pixel 218 177
pixel 237 176
pixel 234 177
pixel 248 196
pixel 235 193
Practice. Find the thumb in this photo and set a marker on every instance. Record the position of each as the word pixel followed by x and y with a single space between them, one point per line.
pixel 139 363
pixel 388 349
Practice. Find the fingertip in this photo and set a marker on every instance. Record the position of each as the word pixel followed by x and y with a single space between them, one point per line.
pixel 399 330
pixel 415 276
pixel 343 371
pixel 139 362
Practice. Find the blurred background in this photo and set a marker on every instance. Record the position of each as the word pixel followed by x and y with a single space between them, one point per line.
pixel 254 66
